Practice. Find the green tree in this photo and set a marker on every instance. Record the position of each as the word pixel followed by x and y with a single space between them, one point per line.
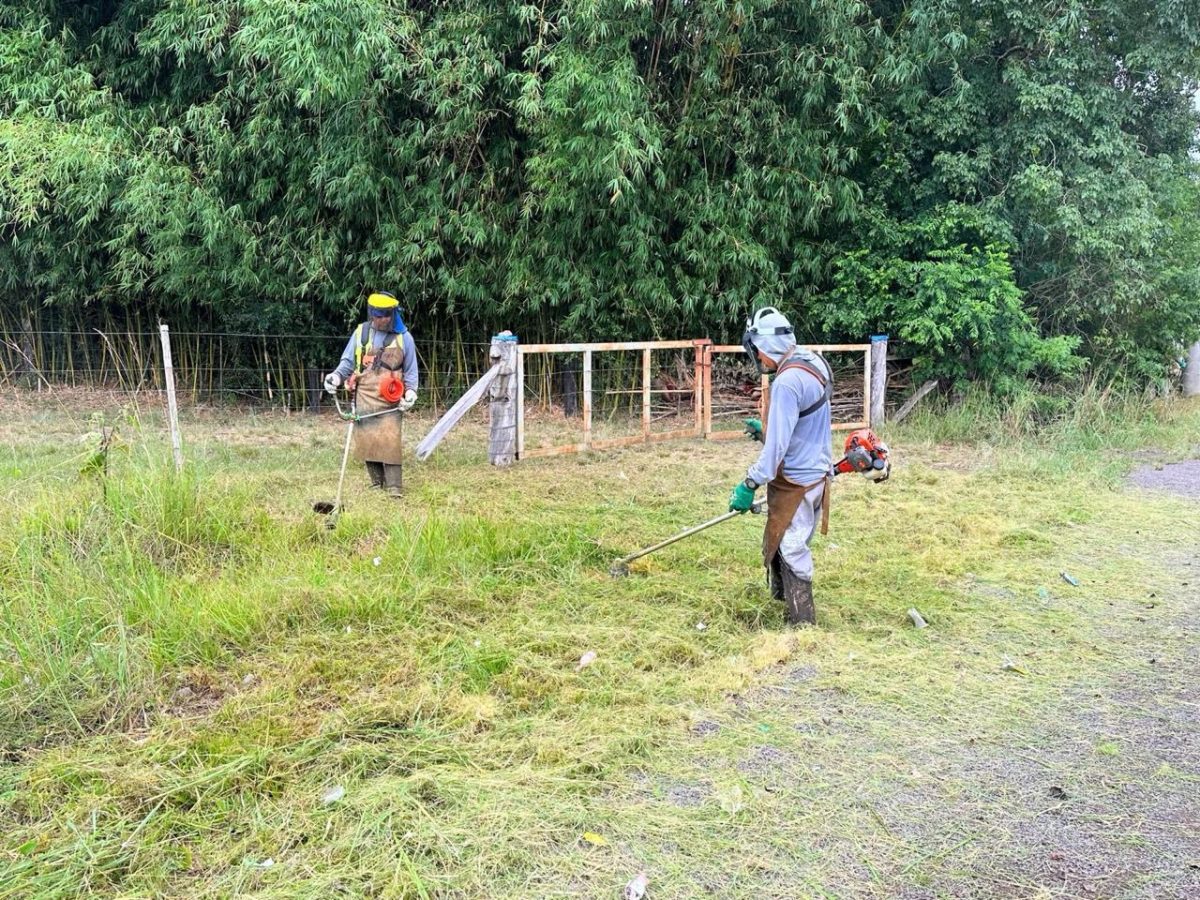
pixel 615 168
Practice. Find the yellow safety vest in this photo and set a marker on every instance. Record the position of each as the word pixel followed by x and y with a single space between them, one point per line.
pixel 364 342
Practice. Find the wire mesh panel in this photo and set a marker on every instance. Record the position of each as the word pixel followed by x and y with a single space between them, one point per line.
pixel 578 397
pixel 734 392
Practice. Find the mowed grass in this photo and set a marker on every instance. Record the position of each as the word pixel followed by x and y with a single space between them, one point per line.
pixel 206 693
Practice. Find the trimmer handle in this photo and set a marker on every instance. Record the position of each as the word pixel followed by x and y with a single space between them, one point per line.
pixel 346 416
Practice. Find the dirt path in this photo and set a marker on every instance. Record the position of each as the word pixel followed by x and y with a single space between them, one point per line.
pixel 1181 478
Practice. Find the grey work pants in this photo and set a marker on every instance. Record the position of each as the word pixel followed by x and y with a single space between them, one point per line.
pixel 793 548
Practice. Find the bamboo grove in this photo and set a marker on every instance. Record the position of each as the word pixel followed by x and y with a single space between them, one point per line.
pixel 1008 187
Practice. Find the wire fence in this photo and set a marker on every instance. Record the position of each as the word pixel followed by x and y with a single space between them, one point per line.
pixel 276 370
pixel 568 400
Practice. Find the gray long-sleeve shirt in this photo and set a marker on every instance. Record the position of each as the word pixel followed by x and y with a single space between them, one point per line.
pixel 802 446
pixel 376 341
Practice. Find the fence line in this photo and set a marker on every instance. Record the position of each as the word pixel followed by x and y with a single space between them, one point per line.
pixel 568 397
pixel 278 369
pixel 701 389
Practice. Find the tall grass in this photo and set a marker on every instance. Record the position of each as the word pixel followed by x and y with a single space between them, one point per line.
pixel 1089 418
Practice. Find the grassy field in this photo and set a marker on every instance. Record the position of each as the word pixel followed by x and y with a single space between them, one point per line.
pixel 205 693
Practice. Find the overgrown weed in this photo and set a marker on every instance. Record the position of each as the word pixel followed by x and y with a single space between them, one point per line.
pixel 1091 418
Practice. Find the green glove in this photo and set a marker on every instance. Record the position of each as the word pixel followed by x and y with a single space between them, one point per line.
pixel 754 430
pixel 742 498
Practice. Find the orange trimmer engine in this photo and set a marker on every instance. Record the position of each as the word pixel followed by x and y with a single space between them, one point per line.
pixel 865 454
pixel 391 388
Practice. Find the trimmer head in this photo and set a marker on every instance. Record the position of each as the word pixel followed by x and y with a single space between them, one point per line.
pixel 329 510
pixel 618 570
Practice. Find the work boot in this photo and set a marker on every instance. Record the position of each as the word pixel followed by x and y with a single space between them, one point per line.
pixel 775 577
pixel 393 478
pixel 375 473
pixel 797 598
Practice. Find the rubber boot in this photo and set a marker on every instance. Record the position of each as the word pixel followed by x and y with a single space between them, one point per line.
pixel 775 577
pixel 375 473
pixel 797 598
pixel 393 478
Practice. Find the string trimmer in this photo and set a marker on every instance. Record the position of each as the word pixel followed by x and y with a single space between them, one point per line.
pixel 334 509
pixel 620 568
pixel 865 454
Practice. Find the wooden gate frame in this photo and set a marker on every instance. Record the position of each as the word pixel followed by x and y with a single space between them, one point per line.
pixel 647 349
pixel 765 399
pixel 702 392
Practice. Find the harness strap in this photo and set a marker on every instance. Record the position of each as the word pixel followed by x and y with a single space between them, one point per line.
pixel 362 345
pixel 826 383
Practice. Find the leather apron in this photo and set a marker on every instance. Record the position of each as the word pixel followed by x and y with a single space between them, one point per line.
pixel 379 438
pixel 783 499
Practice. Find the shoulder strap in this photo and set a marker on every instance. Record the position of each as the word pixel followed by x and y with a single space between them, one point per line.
pixel 360 346
pixel 826 383
pixel 802 365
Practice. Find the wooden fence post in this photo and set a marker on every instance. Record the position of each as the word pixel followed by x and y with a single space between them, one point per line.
pixel 172 409
pixel 1191 375
pixel 504 395
pixel 646 393
pixel 519 392
pixel 587 399
pixel 707 388
pixel 698 384
pixel 879 351
pixel 764 399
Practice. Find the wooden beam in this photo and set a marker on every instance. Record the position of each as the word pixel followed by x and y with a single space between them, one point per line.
pixel 764 399
pixel 1191 375
pixel 604 347
pixel 609 443
pixel 677 434
pixel 564 450
pixel 641 391
pixel 698 386
pixel 502 408
pixel 708 404
pixel 867 386
pixel 912 401
pixel 164 334
pixel 819 348
pixel 519 389
pixel 500 440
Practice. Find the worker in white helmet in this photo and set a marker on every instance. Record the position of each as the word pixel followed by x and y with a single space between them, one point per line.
pixel 795 462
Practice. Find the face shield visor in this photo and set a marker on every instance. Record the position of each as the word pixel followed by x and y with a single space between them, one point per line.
pixel 757 331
